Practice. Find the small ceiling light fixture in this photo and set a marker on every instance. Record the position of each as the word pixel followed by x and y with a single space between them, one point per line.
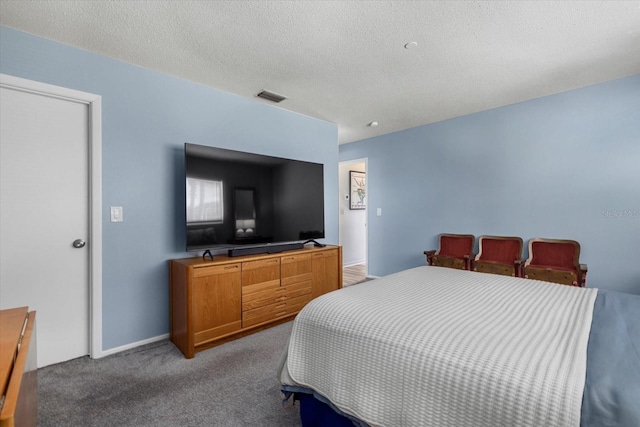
pixel 373 124
pixel 411 45
pixel 271 96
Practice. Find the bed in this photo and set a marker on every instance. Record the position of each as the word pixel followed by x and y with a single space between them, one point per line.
pixel 432 346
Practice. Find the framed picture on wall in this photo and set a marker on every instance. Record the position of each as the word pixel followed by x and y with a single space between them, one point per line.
pixel 357 191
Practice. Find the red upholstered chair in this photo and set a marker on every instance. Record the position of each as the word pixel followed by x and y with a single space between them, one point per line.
pixel 557 261
pixel 499 255
pixel 456 251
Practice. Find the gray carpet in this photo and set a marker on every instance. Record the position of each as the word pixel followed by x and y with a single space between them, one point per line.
pixel 234 384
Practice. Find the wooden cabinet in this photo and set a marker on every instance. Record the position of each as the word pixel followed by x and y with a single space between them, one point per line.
pixel 18 368
pixel 214 301
pixel 325 274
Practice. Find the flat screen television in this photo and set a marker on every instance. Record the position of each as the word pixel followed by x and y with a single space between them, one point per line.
pixel 244 203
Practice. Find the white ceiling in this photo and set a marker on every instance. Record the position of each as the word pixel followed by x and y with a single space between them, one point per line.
pixel 345 61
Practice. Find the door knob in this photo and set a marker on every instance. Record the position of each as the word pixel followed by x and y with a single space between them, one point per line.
pixel 79 243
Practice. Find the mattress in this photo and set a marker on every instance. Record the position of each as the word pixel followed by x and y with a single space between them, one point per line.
pixel 441 347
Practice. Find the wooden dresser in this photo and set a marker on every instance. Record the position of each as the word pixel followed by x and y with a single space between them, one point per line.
pixel 18 368
pixel 215 301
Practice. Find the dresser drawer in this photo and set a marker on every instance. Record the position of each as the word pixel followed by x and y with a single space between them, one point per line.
pixel 261 271
pixel 324 254
pixel 274 311
pixel 295 268
pixel 217 269
pixel 260 287
pixel 263 297
pixel 297 289
pixel 294 305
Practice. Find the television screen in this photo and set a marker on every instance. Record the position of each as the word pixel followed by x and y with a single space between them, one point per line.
pixel 237 199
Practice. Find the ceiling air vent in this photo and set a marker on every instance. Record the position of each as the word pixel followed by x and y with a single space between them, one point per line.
pixel 271 96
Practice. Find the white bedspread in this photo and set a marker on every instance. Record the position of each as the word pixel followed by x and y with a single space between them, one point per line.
pixel 433 346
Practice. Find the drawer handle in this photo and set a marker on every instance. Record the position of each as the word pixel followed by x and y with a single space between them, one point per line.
pixel 282 298
pixel 282 313
pixel 281 306
pixel 233 267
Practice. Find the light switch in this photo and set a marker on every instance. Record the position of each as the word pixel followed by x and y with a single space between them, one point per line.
pixel 116 214
pixel 379 211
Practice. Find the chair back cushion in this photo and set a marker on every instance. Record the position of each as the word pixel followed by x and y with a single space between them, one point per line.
pixel 456 245
pixel 500 250
pixel 562 254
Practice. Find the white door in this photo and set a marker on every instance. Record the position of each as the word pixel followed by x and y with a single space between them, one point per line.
pixel 44 198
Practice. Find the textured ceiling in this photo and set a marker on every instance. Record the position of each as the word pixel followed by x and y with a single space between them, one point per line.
pixel 345 61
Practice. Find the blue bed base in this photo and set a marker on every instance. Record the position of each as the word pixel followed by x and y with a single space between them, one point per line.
pixel 315 413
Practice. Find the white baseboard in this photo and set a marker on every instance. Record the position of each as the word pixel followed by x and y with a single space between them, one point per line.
pixel 132 345
pixel 349 264
pixel 369 276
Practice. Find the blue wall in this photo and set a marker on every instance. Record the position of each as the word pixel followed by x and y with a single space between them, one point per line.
pixel 146 119
pixel 564 166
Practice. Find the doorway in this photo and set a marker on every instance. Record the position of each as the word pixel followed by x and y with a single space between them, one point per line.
pixel 50 219
pixel 353 221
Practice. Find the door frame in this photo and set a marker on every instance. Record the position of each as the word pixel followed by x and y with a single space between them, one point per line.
pixel 94 104
pixel 364 160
